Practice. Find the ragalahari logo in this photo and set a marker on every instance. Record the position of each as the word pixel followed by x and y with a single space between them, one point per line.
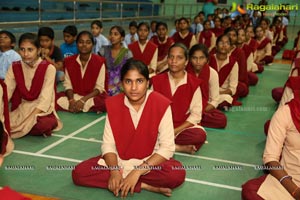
pixel 237 8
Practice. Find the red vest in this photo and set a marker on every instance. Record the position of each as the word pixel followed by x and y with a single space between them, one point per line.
pixel 145 56
pixel 182 98
pixel 21 91
pixel 253 45
pixel 225 70
pixel 186 41
pixel 263 43
pixel 277 33
pixel 85 85
pixel 130 142
pixel 247 51
pixel 205 38
pixel 204 76
pixel 240 57
pixel 217 31
pixel 163 48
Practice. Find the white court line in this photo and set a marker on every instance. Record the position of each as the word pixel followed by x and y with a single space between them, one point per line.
pixel 213 184
pixel 216 159
pixel 78 161
pixel 46 156
pixel 176 153
pixel 78 138
pixel 70 135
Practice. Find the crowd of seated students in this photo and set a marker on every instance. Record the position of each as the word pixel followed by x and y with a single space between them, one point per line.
pixel 203 68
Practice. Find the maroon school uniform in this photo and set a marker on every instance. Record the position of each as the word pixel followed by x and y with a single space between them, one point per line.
pixel 45 124
pixel 181 101
pixel 127 140
pixel 86 84
pixel 186 41
pixel 145 56
pixel 214 118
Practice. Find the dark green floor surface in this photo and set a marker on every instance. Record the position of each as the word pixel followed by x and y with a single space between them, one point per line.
pixel 217 171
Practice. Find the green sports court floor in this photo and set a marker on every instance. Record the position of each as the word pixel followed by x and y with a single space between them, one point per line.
pixel 230 157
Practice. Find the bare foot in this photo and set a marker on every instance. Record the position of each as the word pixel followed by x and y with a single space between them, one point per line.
pixel 165 191
pixel 191 149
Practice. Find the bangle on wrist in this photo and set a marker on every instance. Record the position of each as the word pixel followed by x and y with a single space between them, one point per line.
pixel 284 177
pixel 294 192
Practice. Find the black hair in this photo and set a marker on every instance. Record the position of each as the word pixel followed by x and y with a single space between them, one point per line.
pixel 137 65
pixel 259 26
pixel 46 31
pixel 217 17
pixel 71 29
pixel 31 37
pixel 144 24
pixel 10 35
pixel 181 45
pixel 97 22
pixel 265 20
pixel 220 37
pixel 229 29
pixel 85 33
pixel 201 12
pixel 133 23
pixel 210 15
pixel 199 47
pixel 153 22
pixel 161 24
pixel 119 29
pixel 227 17
pixel 184 19
pixel 206 21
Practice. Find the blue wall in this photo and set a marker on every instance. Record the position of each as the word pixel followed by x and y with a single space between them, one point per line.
pixel 28 10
